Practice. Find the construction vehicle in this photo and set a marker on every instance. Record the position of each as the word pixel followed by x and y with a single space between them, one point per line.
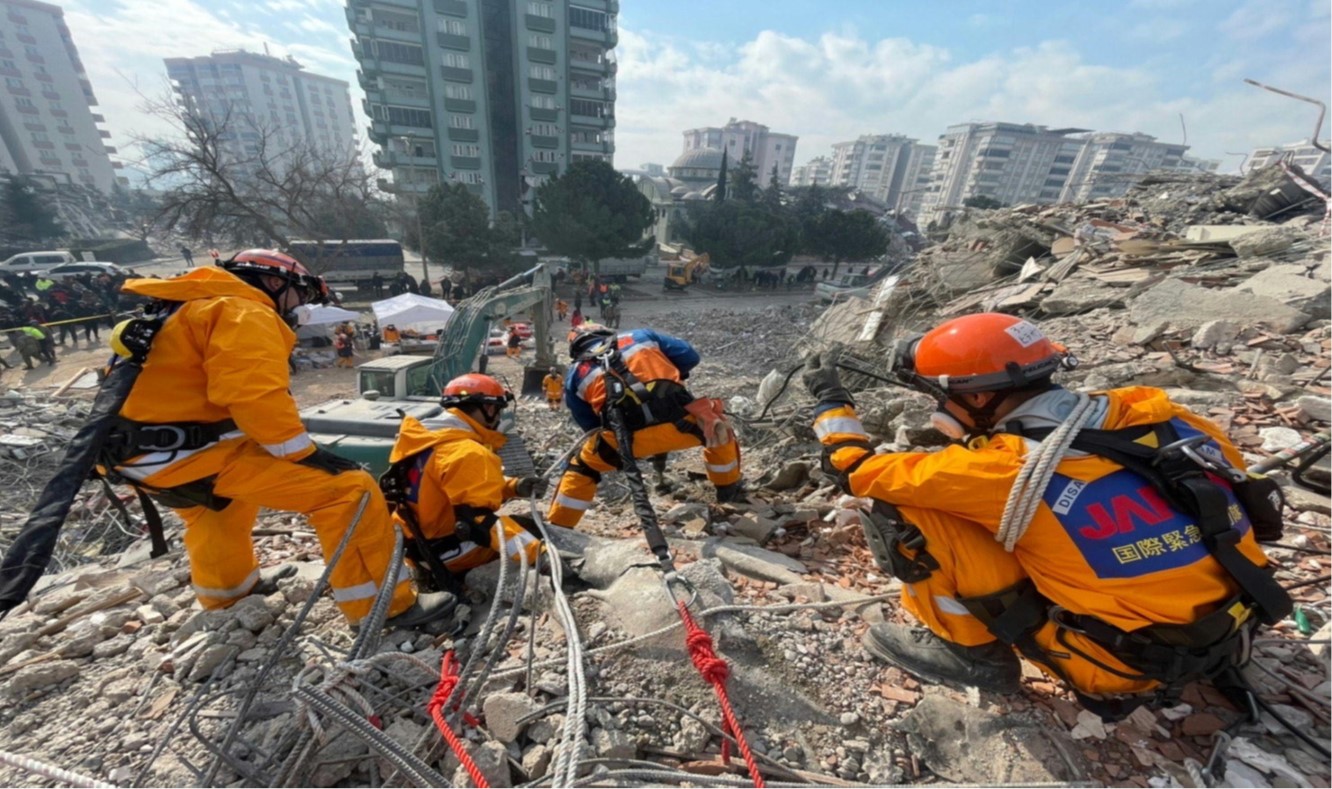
pixel 364 429
pixel 684 272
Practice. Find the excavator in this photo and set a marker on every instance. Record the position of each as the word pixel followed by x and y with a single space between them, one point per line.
pixel 364 429
pixel 682 273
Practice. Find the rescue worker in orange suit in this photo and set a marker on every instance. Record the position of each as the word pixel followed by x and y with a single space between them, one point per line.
pixel 454 483
pixel 211 429
pixel 663 416
pixel 553 386
pixel 1104 582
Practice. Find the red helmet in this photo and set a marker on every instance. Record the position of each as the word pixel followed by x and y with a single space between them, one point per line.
pixel 475 389
pixel 985 352
pixel 253 262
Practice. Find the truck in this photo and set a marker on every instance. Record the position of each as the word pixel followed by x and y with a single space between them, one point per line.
pixel 621 269
pixel 350 263
pixel 364 429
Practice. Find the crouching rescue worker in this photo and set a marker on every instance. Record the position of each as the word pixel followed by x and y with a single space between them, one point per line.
pixel 642 373
pixel 210 429
pixel 446 485
pixel 553 386
pixel 1109 538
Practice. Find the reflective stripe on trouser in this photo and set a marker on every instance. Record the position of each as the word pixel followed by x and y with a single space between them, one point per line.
pixel 517 541
pixel 222 558
pixel 971 564
pixel 576 490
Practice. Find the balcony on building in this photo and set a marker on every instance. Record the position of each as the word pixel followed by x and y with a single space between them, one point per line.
pixel 543 115
pixel 389 159
pixel 543 168
pixel 451 7
pixel 544 141
pixel 541 24
pixel 543 85
pixel 452 41
pixel 465 162
pixel 464 135
pixel 542 55
pixel 454 74
pixel 460 105
pixel 600 90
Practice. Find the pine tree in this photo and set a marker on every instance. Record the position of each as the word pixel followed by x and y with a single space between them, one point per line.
pixel 720 196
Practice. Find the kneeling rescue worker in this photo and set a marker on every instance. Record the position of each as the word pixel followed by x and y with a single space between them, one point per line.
pixel 643 371
pixel 210 429
pixel 446 485
pixel 1128 569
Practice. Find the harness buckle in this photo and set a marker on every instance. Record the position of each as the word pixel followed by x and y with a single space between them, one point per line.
pixel 1188 448
pixel 178 438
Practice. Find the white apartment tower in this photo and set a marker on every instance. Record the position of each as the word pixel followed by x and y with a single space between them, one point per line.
pixel 891 168
pixel 265 96
pixel 766 148
pixel 1009 162
pixel 1110 162
pixel 1313 161
pixel 815 172
pixel 47 126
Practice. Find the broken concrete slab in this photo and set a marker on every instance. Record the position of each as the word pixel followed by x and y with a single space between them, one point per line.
pixel 1189 306
pixel 1076 296
pixel 1289 285
pixel 755 562
pixel 967 745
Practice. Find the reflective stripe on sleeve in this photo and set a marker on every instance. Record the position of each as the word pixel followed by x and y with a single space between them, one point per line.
pixel 839 424
pixel 239 590
pixel 290 446
pixel 950 605
pixel 570 502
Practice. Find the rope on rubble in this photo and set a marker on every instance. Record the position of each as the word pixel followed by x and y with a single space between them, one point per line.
pixel 50 771
pixel 448 682
pixel 716 671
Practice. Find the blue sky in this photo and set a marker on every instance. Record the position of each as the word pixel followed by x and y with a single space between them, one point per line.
pixel 831 70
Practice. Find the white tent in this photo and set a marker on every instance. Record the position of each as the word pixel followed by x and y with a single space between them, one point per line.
pixel 413 311
pixel 321 322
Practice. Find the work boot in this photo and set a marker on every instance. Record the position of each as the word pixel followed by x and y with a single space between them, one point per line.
pixel 269 577
pixel 430 614
pixel 992 667
pixel 732 493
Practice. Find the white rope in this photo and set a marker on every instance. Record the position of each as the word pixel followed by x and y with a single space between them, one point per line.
pixel 1034 477
pixel 50 771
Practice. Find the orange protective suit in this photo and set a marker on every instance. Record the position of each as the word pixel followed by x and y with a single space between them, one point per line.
pixel 554 389
pixel 456 466
pixel 655 359
pixel 1115 551
pixel 223 355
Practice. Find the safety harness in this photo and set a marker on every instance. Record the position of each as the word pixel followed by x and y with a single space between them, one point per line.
pixel 641 405
pixel 1212 648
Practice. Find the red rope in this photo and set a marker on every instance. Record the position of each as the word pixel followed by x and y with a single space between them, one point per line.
pixel 716 671
pixel 448 680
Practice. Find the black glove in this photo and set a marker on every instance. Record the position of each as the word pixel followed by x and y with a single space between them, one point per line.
pixel 821 379
pixel 324 460
pixel 532 486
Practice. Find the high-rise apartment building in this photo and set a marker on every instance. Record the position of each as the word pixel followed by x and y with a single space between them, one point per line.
pixel 270 103
pixel 766 148
pixel 1110 162
pixel 1313 161
pixel 815 172
pixel 891 168
pixel 499 95
pixel 1009 162
pixel 47 126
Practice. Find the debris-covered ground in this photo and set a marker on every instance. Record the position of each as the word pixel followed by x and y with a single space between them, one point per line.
pixel 113 673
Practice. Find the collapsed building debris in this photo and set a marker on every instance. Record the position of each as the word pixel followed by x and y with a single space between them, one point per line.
pixel 112 672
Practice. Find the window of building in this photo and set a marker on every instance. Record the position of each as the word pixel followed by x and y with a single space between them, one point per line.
pixel 393 52
pixel 40 137
pixel 464 149
pixel 455 27
pixel 543 102
pixel 544 129
pixel 541 72
pixel 406 23
pixel 536 8
pixel 594 109
pixel 457 60
pixel 460 121
pixel 402 116
pixel 587 18
pixel 543 155
pixel 540 41
pixel 407 87
pixel 468 177
pixel 8 64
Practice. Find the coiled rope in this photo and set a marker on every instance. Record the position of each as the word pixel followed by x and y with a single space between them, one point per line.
pixel 1034 476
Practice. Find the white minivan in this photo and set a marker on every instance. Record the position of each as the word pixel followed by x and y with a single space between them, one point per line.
pixel 31 262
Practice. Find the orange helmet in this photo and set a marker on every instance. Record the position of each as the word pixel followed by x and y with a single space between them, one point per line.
pixel 251 263
pixel 985 352
pixel 475 389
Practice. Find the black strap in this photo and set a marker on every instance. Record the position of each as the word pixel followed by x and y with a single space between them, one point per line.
pixel 137 437
pixel 647 516
pixel 156 532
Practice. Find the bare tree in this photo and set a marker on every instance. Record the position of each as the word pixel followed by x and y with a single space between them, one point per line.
pixel 226 175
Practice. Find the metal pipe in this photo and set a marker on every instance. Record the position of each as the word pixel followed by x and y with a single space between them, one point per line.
pixel 1322 110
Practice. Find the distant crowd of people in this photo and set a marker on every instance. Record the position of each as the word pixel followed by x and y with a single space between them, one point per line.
pixel 39 312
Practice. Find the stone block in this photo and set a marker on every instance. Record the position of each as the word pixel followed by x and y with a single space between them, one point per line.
pixel 1190 306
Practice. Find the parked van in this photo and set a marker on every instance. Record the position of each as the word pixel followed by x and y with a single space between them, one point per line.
pixel 31 262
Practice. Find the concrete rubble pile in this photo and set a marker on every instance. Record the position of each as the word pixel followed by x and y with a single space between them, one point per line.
pixel 112 670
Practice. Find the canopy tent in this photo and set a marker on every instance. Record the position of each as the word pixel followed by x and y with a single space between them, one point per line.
pixel 322 320
pixel 413 311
